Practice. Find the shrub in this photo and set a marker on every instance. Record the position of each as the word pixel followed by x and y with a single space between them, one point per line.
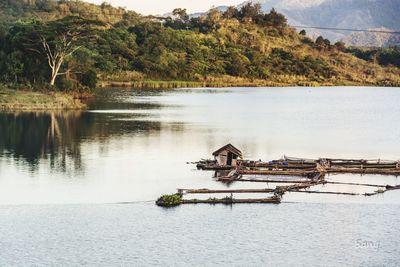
pixel 169 200
pixel 65 85
pixel 89 79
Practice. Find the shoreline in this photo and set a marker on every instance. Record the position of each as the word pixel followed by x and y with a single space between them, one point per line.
pixel 174 84
pixel 23 100
pixel 165 84
pixel 27 100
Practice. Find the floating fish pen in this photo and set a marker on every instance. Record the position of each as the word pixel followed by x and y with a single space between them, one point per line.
pixel 299 174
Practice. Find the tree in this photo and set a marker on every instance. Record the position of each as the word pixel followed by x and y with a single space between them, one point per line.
pixel 252 11
pixel 213 18
pixel 179 21
pixel 238 64
pixel 89 79
pixel 181 13
pixel 45 5
pixel 231 13
pixel 340 46
pixel 18 62
pixel 322 43
pixel 15 65
pixel 275 19
pixel 59 40
pixel 319 40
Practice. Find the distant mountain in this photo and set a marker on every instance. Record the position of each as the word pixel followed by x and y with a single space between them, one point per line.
pixel 287 4
pixel 369 39
pixel 357 14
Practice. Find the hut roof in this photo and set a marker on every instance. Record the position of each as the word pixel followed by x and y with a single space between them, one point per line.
pixel 230 148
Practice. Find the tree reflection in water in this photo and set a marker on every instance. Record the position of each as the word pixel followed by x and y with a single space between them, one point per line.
pixel 56 138
pixel 42 135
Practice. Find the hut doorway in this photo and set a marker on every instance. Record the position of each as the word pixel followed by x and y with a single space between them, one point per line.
pixel 230 158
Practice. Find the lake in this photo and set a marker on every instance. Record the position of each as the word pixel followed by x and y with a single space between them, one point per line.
pixel 78 188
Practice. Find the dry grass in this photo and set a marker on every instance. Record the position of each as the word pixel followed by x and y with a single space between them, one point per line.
pixel 27 100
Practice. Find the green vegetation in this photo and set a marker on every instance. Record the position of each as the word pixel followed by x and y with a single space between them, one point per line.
pixel 169 200
pixel 384 56
pixel 35 54
pixel 380 191
pixel 26 100
pixel 226 199
pixel 73 46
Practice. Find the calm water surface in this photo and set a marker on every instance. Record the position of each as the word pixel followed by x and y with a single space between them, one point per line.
pixel 77 188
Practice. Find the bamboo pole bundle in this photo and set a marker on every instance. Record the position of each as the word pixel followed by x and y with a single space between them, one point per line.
pixel 229 201
pixel 227 191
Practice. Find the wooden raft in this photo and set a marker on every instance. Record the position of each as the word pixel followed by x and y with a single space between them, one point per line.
pixel 307 173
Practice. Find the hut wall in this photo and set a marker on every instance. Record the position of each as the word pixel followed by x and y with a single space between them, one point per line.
pixel 234 162
pixel 222 158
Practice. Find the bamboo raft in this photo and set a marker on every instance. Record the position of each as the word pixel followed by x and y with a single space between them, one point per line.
pixel 230 201
pixel 307 173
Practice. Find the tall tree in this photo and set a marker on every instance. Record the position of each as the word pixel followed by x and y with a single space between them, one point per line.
pixel 231 12
pixel 250 10
pixel 181 13
pixel 59 40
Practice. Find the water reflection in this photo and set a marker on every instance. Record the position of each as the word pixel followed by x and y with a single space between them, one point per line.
pixel 133 145
pixel 48 135
pixel 57 137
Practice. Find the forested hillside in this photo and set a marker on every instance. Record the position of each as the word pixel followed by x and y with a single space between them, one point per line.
pixel 12 10
pixel 72 44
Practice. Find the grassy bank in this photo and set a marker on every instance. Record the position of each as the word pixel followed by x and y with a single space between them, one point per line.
pixel 219 82
pixel 133 79
pixel 12 100
pixel 16 100
pixel 155 84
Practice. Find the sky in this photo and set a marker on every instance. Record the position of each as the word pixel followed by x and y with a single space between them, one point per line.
pixel 157 7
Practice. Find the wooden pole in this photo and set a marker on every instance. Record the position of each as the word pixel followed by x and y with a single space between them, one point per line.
pixel 322 192
pixel 271 181
pixel 278 172
pixel 372 185
pixel 229 201
pixel 226 191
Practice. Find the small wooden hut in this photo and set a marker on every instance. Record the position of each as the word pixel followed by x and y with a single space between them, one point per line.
pixel 227 155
